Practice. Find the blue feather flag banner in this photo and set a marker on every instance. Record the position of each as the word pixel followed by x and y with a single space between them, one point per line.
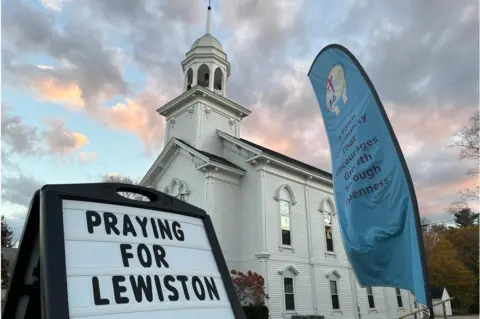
pixel 376 203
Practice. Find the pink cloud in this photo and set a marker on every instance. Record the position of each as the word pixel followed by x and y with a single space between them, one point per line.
pixel 60 140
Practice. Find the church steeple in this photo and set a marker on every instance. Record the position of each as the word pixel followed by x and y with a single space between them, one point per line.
pixel 207 31
pixel 203 109
pixel 206 63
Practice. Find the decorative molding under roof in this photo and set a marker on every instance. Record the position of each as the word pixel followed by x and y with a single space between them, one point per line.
pixel 201 92
pixel 210 160
pixel 260 152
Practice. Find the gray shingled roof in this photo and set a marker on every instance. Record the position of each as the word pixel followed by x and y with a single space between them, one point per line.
pixel 436 292
pixel 265 150
pixel 212 157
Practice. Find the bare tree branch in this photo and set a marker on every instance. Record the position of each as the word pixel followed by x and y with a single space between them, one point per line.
pixel 115 178
pixel 468 141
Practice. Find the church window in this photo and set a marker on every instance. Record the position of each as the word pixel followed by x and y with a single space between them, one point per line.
pixel 289 274
pixel 203 75
pixel 289 294
pixel 174 188
pixel 334 294
pixel 399 298
pixel 189 79
pixel 333 277
pixel 327 208
pixel 371 299
pixel 285 222
pixel 286 199
pixel 178 189
pixel 328 231
pixel 218 80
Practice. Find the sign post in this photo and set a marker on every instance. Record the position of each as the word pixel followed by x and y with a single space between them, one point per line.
pixel 105 256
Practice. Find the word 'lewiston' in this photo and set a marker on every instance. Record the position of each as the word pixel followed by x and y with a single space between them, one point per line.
pixel 153 288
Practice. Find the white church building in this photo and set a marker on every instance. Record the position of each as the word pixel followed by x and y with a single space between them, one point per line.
pixel 272 214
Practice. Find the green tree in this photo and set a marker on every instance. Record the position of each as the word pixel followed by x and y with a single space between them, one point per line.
pixel 5 275
pixel 466 241
pixel 465 217
pixel 7 234
pixel 7 242
pixel 445 270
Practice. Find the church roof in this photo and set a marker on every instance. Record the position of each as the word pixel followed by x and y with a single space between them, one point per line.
pixel 288 159
pixel 212 157
pixel 207 40
pixel 436 292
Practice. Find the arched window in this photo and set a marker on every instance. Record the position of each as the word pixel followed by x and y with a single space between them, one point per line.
pixel 286 199
pixel 288 277
pixel 328 210
pixel 334 277
pixel 181 192
pixel 218 80
pixel 174 188
pixel 203 75
pixel 178 189
pixel 285 222
pixel 189 78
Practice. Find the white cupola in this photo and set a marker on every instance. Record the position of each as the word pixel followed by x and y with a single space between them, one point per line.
pixel 206 63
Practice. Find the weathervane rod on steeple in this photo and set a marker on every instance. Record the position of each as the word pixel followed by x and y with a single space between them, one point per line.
pixel 207 31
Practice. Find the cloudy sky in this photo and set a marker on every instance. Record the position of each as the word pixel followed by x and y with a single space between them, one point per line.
pixel 81 80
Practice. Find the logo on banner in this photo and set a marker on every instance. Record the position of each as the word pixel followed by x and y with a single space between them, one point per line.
pixel 336 89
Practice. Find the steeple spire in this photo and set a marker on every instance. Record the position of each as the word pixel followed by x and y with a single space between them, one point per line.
pixel 207 31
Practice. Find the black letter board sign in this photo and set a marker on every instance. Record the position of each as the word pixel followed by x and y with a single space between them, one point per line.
pixel 102 255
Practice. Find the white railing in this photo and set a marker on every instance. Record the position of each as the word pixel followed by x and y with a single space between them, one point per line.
pixel 426 312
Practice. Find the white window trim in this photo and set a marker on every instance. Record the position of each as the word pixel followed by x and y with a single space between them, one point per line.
pixel 289 272
pixel 174 185
pixel 282 245
pixel 332 214
pixel 290 192
pixel 334 275
pixel 292 201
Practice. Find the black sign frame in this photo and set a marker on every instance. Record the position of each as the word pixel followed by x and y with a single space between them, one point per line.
pixel 53 281
pixel 18 291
